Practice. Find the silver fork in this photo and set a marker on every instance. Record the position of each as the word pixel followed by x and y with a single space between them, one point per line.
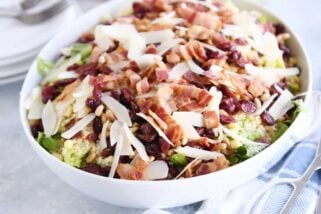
pixel 296 183
pixel 34 18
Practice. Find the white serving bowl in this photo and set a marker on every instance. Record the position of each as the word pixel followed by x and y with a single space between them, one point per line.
pixel 160 194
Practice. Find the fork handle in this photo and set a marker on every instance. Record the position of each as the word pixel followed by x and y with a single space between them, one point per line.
pixel 301 183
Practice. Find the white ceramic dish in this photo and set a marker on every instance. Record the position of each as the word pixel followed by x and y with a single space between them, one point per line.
pixel 161 194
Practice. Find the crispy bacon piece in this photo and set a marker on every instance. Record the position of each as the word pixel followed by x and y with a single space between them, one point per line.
pixel 186 13
pixel 210 21
pixel 133 77
pixel 174 132
pixel 204 98
pixel 161 74
pixel 210 119
pixel 196 80
pixel 95 55
pixel 115 57
pixel 132 171
pixel 145 104
pixel 189 91
pixel 215 165
pixel 257 87
pixel 142 86
pixel 196 50
pixel 67 92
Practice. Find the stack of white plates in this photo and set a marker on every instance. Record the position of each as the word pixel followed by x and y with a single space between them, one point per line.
pixel 21 43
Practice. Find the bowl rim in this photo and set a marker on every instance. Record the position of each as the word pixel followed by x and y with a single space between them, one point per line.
pixel 243 164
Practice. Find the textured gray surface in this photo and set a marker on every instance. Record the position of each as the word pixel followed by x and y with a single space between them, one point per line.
pixel 28 186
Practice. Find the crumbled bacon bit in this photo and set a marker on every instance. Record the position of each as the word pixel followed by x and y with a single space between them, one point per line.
pixel 211 119
pixel 161 74
pixel 142 86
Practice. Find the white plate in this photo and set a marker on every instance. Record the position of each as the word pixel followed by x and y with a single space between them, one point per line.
pixel 16 68
pixel 30 37
pixel 12 79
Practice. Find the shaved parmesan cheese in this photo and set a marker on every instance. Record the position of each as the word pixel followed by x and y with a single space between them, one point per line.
pixel 265 105
pixel 214 104
pixel 281 105
pixel 117 108
pixel 155 126
pixel 52 75
pixel 211 47
pixel 147 60
pixel 167 45
pixel 116 157
pixel 152 37
pixel 35 93
pixel 127 35
pixel 67 75
pixel 194 118
pixel 188 130
pixel 103 42
pixel 210 6
pixel 126 147
pixel 140 148
pixel 242 139
pixel 198 153
pixel 215 69
pixel 49 119
pixel 35 105
pixel 116 67
pixel 271 75
pixel 194 67
pixel 80 125
pixel 115 132
pixel 156 170
pixel 178 71
pixel 102 142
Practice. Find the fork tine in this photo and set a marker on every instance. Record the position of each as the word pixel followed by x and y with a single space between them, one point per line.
pixel 45 14
pixel 27 4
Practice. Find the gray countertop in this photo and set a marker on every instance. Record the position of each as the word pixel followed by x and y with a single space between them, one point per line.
pixel 28 186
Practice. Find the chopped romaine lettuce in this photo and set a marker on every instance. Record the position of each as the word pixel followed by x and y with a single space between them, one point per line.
pixel 178 160
pixel 44 66
pixel 293 83
pixel 250 126
pixel 298 107
pixel 83 49
pixel 281 128
pixel 49 143
pixel 74 151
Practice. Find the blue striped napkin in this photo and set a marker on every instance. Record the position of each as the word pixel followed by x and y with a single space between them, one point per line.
pixel 292 165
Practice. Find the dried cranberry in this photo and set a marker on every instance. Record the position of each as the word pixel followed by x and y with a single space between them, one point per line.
pixel 97 125
pixel 195 145
pixel 172 171
pixel 104 69
pixel 92 137
pixel 236 58
pixel 279 28
pixel 267 119
pixel 93 103
pixel 106 152
pixel 97 91
pixel 77 135
pixel 152 149
pixel 96 169
pixel 225 119
pixel 140 10
pixel 229 105
pixel 73 67
pixel 63 83
pixel 212 54
pixel 36 128
pixel 225 46
pixel 49 93
pixel 227 92
pixel 88 69
pixel 86 37
pixel 282 85
pixel 201 131
pixel 70 124
pixel 124 159
pixel 247 106
pixel 115 94
pixel 126 97
pixel 163 145
pixel 146 128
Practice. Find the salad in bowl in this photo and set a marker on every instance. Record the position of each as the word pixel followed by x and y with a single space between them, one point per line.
pixel 167 89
